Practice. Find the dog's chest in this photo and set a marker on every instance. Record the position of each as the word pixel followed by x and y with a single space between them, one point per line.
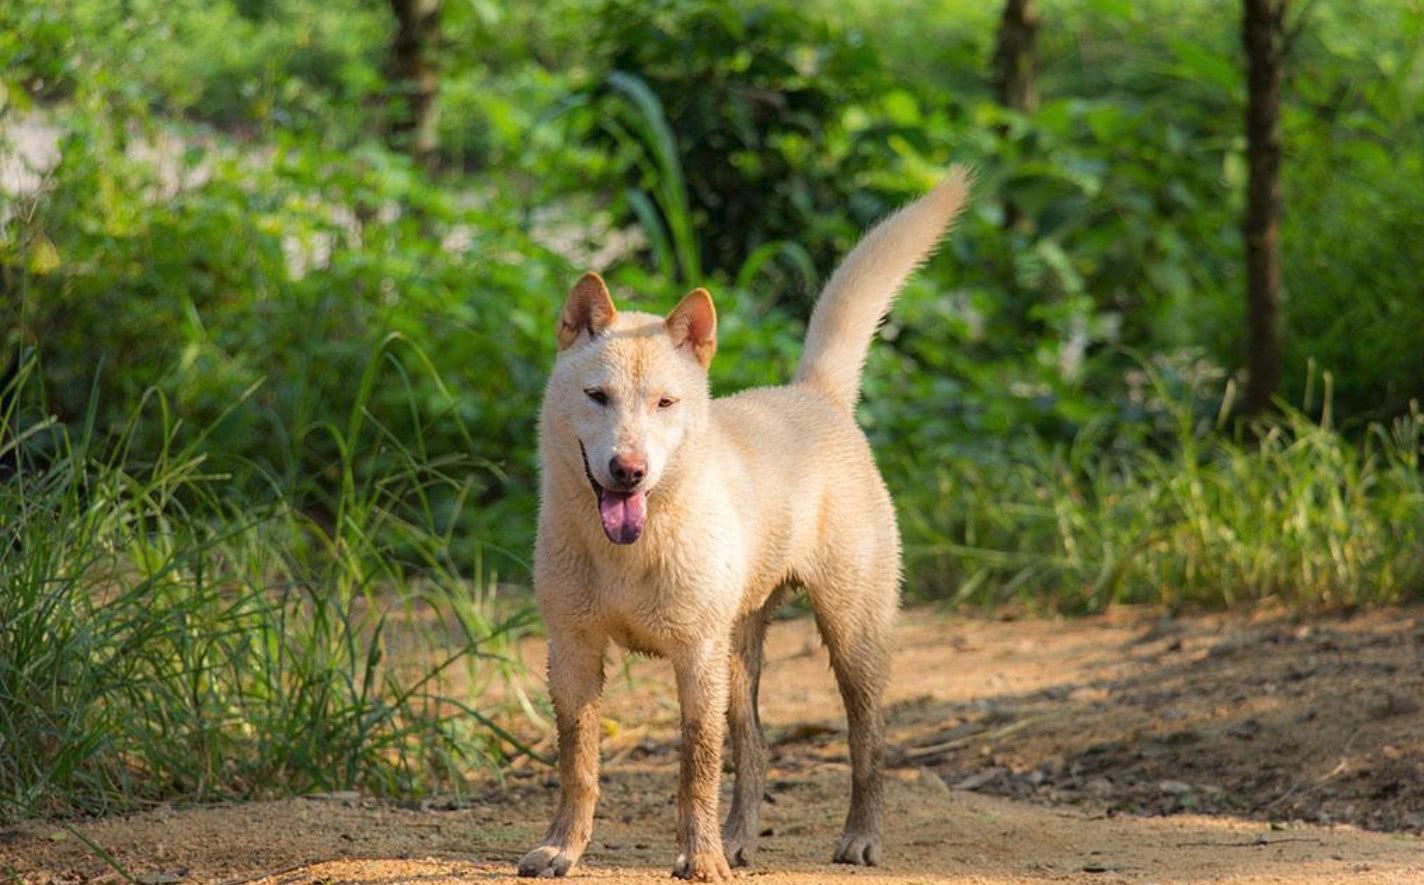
pixel 649 611
pixel 637 614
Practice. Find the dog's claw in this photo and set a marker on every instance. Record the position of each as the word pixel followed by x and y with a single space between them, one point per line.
pixel 545 862
pixel 738 855
pixel 858 849
pixel 702 866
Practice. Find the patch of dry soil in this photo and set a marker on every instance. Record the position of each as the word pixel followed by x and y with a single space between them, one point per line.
pixel 1114 749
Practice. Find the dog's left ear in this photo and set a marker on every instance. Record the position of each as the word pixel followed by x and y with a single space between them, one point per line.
pixel 693 324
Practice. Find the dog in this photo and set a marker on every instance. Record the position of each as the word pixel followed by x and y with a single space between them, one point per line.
pixel 672 524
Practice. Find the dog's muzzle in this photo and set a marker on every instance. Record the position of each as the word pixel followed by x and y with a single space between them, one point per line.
pixel 623 514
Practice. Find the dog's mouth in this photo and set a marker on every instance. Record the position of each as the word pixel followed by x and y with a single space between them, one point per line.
pixel 623 513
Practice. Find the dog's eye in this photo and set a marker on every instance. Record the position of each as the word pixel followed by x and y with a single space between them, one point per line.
pixel 597 396
pixel 666 402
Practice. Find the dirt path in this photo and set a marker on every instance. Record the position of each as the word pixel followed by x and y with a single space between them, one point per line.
pixel 1113 749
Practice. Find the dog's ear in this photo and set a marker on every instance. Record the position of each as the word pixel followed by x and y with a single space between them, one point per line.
pixel 693 324
pixel 588 309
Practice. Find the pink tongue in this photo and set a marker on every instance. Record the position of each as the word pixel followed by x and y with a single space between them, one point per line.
pixel 623 514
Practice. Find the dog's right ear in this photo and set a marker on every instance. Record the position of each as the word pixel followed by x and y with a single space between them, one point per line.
pixel 588 309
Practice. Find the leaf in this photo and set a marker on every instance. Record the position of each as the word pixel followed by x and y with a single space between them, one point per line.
pixel 44 257
pixel 1118 9
pixel 1195 62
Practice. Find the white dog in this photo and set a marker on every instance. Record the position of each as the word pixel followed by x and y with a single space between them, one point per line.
pixel 670 523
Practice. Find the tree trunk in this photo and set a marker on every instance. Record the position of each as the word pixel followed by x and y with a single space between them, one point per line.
pixel 415 75
pixel 1263 33
pixel 1016 73
pixel 1015 59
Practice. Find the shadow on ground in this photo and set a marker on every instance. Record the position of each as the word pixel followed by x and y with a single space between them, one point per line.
pixel 1203 749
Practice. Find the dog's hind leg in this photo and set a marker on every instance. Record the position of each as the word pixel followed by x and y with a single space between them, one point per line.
pixel 739 834
pixel 855 612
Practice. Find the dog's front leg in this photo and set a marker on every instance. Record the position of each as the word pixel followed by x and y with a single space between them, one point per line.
pixel 576 685
pixel 702 694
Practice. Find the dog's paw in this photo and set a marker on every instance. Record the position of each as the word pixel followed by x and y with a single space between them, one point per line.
pixel 702 866
pixel 862 849
pixel 546 862
pixel 738 844
pixel 738 853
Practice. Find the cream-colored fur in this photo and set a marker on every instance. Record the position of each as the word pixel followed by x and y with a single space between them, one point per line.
pixel 670 522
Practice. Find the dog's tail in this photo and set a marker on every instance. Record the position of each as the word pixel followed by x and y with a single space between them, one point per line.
pixel 860 292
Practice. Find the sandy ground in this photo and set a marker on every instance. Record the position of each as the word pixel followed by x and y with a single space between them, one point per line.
pixel 1123 748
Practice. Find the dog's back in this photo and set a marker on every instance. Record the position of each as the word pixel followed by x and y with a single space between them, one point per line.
pixel 810 495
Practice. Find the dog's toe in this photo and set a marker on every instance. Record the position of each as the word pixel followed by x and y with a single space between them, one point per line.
pixel 738 855
pixel 545 862
pixel 702 866
pixel 857 848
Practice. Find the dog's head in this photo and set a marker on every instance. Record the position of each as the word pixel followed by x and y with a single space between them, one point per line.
pixel 631 387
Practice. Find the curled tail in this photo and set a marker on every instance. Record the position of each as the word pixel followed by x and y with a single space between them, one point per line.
pixel 861 290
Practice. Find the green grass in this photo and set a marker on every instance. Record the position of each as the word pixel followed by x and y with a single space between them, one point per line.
pixel 159 640
pixel 1288 511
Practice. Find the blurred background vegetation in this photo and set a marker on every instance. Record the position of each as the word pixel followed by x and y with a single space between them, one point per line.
pixel 278 282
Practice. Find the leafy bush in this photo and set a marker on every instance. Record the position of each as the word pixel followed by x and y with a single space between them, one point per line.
pixel 252 295
pixel 269 64
pixel 225 228
pixel 753 99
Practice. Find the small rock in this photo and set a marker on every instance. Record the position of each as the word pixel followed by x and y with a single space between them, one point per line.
pixel 1175 788
pixel 1098 786
pixel 934 781
pixel 981 779
pixel 1392 704
pixel 1246 730
pixel 1089 695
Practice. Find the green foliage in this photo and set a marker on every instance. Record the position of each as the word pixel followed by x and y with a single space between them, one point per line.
pixel 1296 514
pixel 269 64
pixel 225 228
pixel 252 294
pixel 745 104
pixel 160 640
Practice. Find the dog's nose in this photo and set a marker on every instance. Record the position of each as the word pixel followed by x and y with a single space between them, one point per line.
pixel 628 471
